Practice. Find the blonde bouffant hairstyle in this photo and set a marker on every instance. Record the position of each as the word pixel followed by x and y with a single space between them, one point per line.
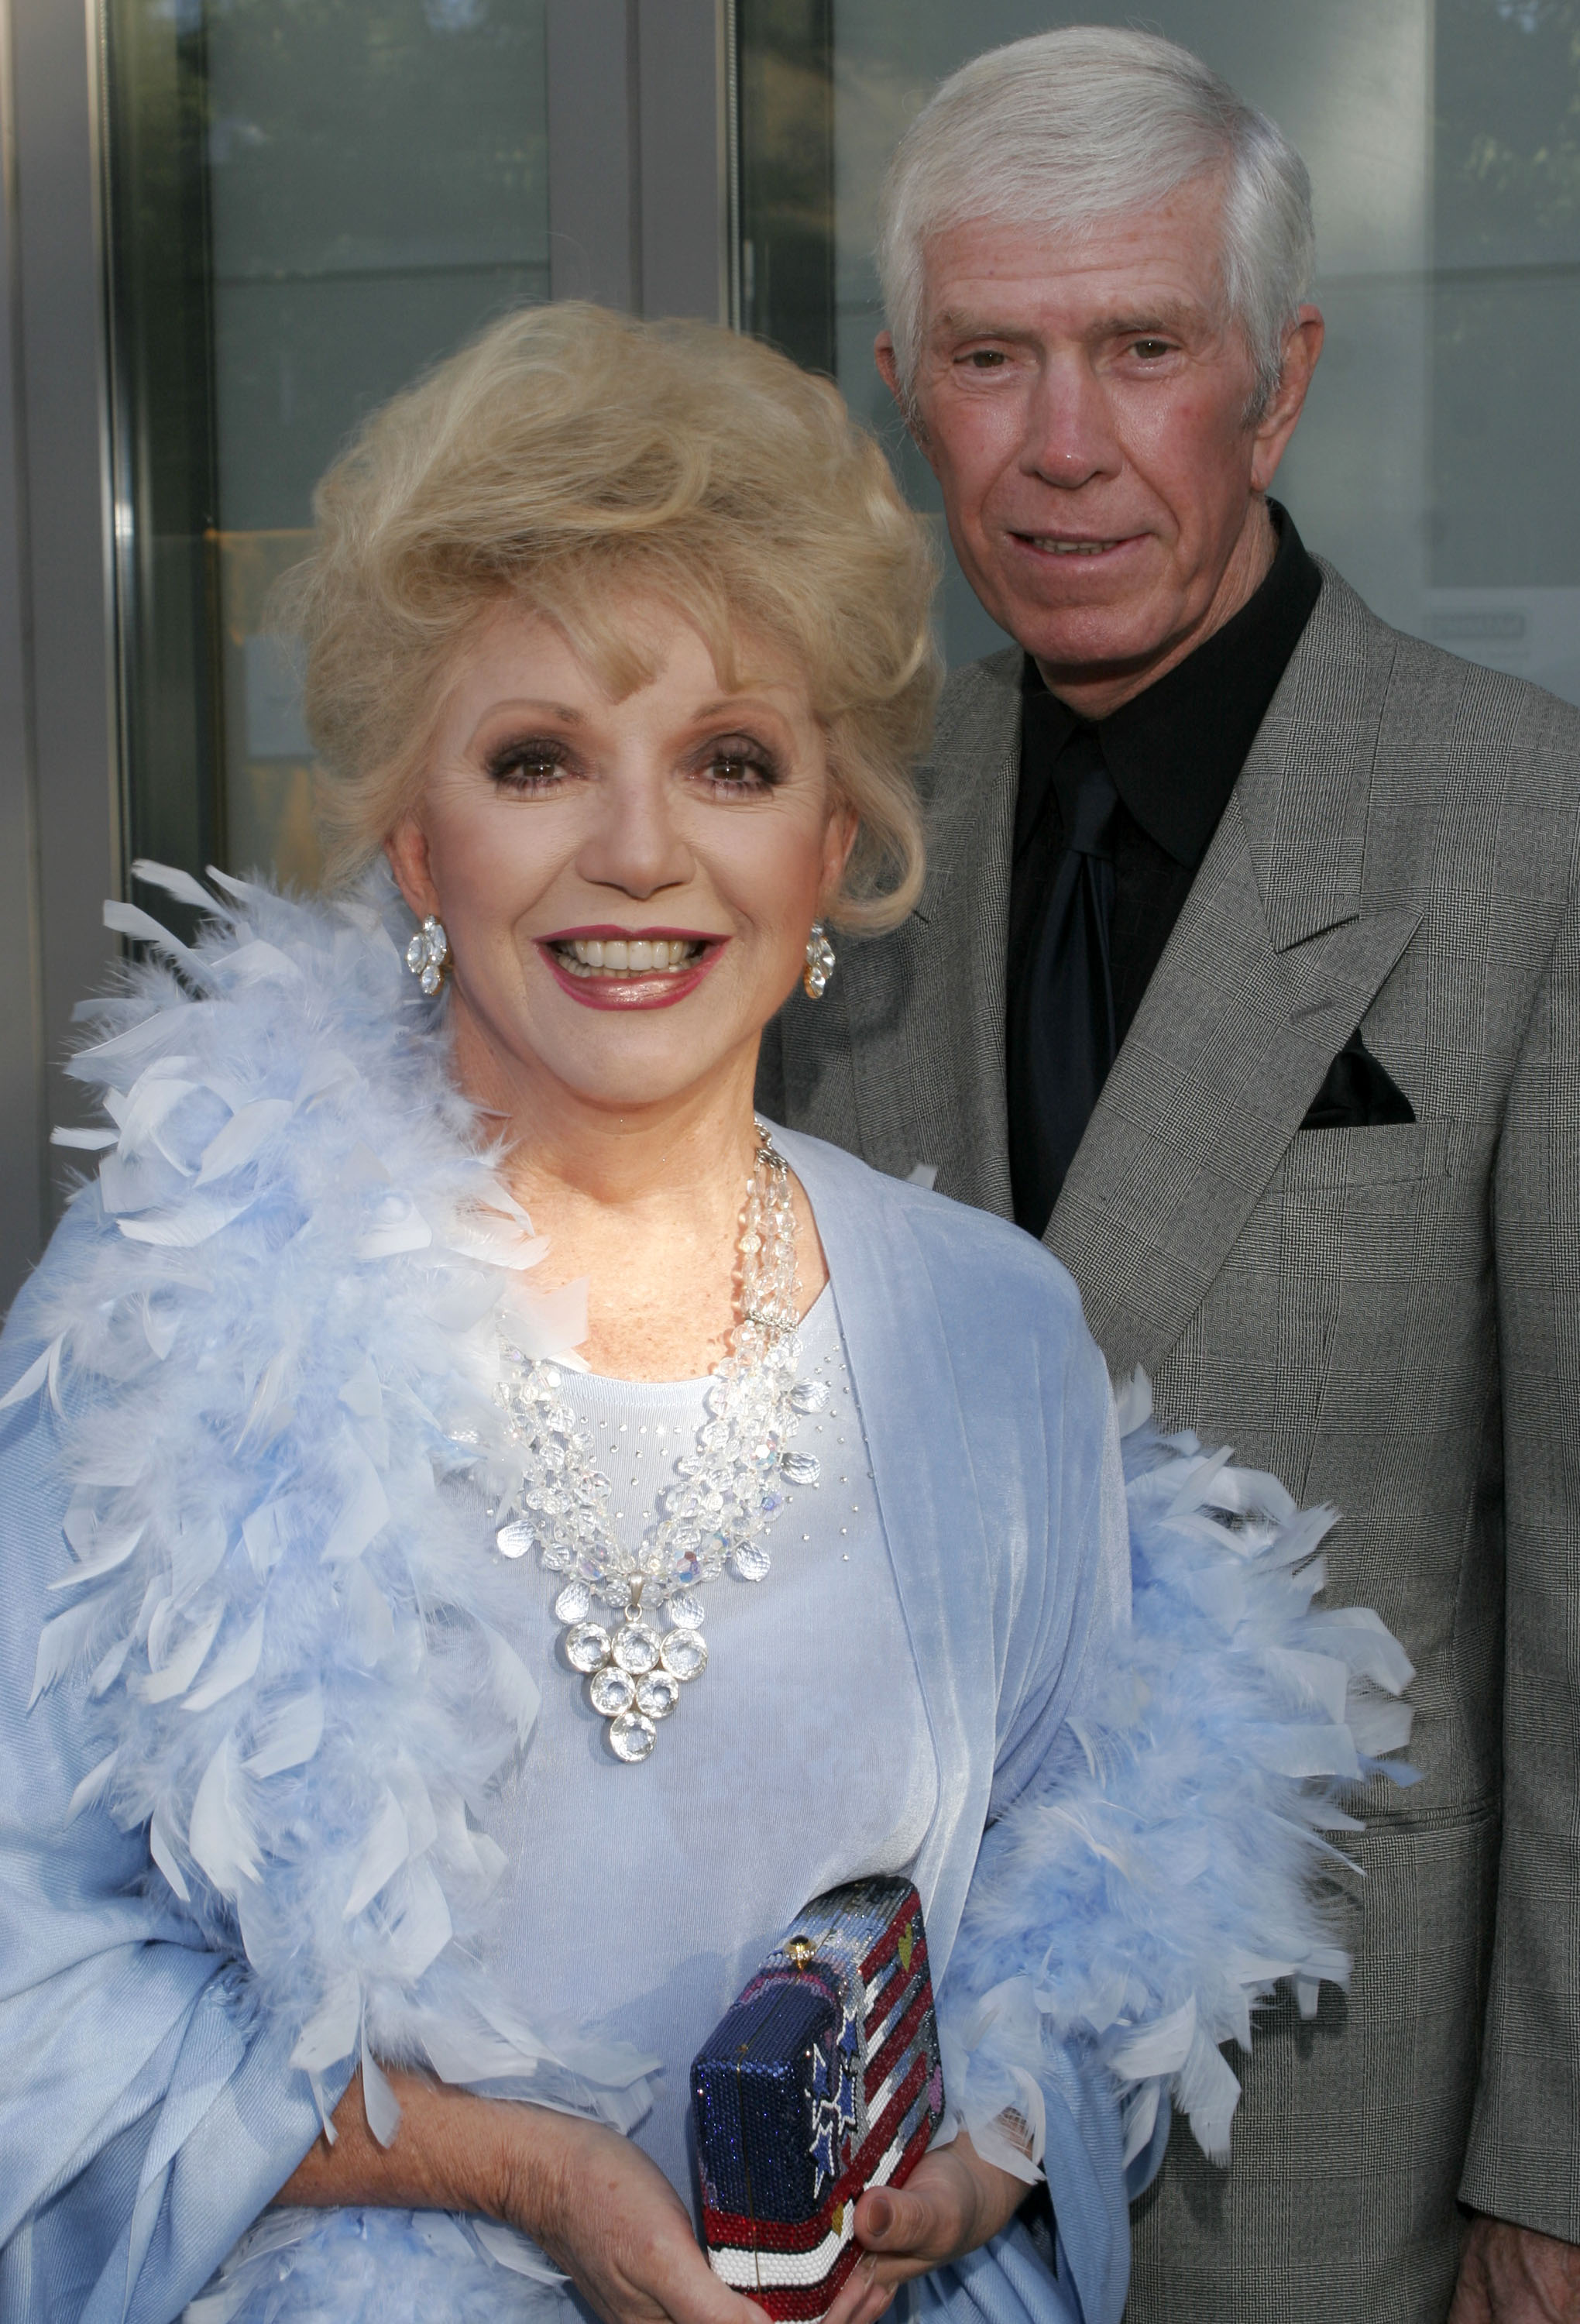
pixel 570 458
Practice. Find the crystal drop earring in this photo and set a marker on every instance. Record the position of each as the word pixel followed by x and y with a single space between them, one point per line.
pixel 427 955
pixel 820 963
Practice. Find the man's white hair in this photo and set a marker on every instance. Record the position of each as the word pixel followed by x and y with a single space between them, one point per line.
pixel 1086 123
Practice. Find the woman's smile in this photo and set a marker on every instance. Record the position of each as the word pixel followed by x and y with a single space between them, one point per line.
pixel 611 967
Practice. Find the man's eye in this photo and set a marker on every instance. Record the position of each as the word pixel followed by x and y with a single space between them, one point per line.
pixel 986 359
pixel 1151 350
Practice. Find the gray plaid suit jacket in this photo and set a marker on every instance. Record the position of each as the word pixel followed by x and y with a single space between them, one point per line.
pixel 1387 1317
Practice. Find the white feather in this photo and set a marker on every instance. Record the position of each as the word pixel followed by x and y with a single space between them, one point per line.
pixel 288 1737
pixel 181 1665
pixel 174 883
pixel 91 1141
pixel 31 1380
pixel 364 1512
pixel 247 1131
pixel 111 1548
pixel 163 1853
pixel 331 2033
pixel 233 1668
pixel 378 2101
pixel 61 1643
pixel 385 1851
pixel 221 1837
pixel 93 1786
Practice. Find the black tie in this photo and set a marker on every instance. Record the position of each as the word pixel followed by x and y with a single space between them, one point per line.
pixel 1062 1020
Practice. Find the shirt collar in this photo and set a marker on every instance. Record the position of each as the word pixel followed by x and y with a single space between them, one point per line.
pixel 1175 752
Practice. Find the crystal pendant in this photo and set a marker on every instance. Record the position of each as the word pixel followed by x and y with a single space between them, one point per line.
pixel 631 1737
pixel 613 1692
pixel 801 1468
pixel 636 1648
pixel 515 1539
pixel 685 1654
pixel 810 1396
pixel 686 1612
pixel 752 1560
pixel 658 1694
pixel 573 1602
pixel 587 1647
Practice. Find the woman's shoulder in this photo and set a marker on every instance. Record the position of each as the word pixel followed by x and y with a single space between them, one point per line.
pixel 975 1261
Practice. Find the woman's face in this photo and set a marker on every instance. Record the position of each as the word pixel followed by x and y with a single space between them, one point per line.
pixel 626 886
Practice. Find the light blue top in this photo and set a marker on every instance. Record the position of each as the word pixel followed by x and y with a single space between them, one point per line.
pixel 646 1896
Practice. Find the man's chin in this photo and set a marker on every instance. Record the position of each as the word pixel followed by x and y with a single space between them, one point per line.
pixel 1092 620
pixel 1095 646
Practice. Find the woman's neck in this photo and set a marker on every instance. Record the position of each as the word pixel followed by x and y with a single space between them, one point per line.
pixel 647 1204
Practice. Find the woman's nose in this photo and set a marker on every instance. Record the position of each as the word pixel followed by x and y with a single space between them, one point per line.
pixel 635 843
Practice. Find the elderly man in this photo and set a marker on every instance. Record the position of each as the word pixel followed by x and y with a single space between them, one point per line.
pixel 1248 975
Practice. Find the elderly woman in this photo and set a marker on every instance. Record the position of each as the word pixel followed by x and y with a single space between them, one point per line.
pixel 491 1527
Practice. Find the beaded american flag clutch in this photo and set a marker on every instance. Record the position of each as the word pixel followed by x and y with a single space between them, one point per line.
pixel 824 2078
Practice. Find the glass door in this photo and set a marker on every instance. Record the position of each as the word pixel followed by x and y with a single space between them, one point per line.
pixel 309 202
pixel 1438 463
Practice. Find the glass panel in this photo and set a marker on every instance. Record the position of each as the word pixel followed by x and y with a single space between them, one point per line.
pixel 310 201
pixel 1438 463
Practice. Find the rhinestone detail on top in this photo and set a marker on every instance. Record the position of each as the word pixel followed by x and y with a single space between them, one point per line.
pixel 726 1495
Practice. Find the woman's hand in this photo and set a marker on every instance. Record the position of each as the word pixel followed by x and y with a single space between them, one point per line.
pixel 953 2201
pixel 587 2197
pixel 610 2218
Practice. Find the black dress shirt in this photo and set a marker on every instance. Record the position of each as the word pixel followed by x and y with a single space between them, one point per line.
pixel 1174 754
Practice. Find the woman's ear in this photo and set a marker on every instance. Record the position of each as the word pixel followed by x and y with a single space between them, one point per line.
pixel 407 850
pixel 839 838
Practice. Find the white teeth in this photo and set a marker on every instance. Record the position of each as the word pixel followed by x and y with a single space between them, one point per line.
pixel 1073 548
pixel 619 955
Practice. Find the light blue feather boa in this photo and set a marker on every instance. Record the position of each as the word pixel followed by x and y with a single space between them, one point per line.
pixel 293 1642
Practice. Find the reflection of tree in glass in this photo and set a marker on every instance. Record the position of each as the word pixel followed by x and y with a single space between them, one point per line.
pixel 1507 130
pixel 366 133
pixel 787 179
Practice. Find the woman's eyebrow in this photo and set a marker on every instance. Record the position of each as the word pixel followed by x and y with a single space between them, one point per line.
pixel 509 704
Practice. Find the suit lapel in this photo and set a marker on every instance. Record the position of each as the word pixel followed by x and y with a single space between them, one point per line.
pixel 1269 971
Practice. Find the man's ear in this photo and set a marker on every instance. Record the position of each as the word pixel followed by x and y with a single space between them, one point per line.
pixel 407 851
pixel 1302 346
pixel 883 354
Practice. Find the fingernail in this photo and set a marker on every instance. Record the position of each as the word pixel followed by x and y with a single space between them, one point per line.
pixel 880 2215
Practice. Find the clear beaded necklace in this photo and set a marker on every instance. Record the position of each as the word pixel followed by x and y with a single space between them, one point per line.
pixel 726 1496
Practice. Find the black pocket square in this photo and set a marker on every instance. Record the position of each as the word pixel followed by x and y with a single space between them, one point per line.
pixel 1357 1094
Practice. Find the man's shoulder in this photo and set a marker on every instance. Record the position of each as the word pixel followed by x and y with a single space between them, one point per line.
pixel 1424 693
pixel 979 710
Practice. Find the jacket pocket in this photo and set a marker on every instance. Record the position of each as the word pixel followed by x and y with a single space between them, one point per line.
pixel 1372 1156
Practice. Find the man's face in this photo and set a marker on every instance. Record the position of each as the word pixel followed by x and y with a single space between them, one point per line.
pixel 1082 399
